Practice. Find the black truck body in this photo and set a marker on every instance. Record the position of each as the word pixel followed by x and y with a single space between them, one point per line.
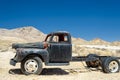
pixel 55 50
pixel 49 51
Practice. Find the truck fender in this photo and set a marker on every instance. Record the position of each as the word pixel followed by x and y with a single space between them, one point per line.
pixel 42 53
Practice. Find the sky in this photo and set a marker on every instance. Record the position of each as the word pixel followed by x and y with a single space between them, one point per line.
pixel 87 19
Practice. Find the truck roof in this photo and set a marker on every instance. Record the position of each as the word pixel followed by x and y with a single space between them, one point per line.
pixel 60 32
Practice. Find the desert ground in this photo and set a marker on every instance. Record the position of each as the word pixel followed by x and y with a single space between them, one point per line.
pixel 75 71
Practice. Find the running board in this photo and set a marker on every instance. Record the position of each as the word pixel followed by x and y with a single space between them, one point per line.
pixel 57 64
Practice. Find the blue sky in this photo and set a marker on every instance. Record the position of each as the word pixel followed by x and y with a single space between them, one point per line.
pixel 87 19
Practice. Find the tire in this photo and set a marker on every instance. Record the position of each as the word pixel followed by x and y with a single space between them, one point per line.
pixel 31 65
pixel 92 64
pixel 110 65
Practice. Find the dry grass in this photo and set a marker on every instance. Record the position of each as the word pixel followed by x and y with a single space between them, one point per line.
pixel 84 51
pixel 75 71
pixel 4 45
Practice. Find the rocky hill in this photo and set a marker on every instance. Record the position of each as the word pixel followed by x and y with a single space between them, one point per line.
pixel 99 41
pixel 31 34
pixel 116 43
pixel 19 35
pixel 79 41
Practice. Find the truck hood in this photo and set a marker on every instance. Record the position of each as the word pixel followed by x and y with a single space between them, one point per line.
pixel 39 45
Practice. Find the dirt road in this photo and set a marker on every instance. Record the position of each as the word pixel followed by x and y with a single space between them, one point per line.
pixel 75 71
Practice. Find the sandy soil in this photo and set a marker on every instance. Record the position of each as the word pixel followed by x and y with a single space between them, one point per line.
pixel 75 71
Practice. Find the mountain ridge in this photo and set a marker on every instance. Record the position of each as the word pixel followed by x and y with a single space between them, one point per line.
pixel 80 46
pixel 31 34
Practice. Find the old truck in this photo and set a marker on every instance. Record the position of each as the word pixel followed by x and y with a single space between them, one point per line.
pixel 56 50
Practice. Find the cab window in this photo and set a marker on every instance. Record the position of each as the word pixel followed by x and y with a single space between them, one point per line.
pixel 60 38
pixel 55 38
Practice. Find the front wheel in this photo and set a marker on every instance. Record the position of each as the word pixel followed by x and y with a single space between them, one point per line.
pixel 31 65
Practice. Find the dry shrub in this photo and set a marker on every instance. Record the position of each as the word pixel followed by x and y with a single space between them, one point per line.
pixel 84 51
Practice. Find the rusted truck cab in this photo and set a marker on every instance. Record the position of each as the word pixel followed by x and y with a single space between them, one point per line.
pixel 59 47
pixel 55 50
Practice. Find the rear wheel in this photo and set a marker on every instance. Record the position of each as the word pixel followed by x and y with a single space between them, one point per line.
pixel 111 65
pixel 31 65
pixel 92 64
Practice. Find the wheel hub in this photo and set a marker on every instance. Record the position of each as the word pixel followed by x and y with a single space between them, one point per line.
pixel 31 66
pixel 113 66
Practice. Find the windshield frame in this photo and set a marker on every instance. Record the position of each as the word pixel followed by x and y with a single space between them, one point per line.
pixel 47 37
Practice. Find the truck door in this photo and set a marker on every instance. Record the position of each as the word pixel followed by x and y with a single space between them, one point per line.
pixel 60 49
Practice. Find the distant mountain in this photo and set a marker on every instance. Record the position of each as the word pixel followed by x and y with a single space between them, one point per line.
pixel 98 41
pixel 27 34
pixel 19 35
pixel 116 43
pixel 78 41
pixel 31 34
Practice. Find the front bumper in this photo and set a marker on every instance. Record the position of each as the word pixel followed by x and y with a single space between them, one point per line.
pixel 13 62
